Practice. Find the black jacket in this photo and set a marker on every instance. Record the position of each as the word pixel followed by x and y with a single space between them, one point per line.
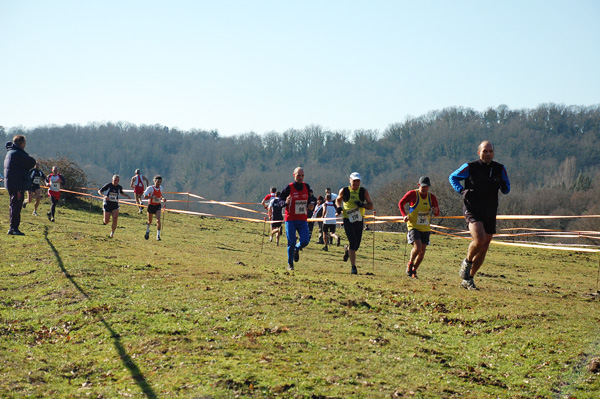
pixel 17 165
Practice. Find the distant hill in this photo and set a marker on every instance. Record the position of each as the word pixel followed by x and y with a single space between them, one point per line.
pixel 546 147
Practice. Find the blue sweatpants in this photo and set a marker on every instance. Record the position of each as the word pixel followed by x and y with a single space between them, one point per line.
pixel 291 227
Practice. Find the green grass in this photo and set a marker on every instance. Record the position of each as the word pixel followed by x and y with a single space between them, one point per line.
pixel 205 313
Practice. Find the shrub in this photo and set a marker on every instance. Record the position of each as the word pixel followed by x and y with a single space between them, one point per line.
pixel 74 175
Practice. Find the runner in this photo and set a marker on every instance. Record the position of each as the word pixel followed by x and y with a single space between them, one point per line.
pixel 36 176
pixel 275 211
pixel 333 195
pixel 329 214
pixel 295 196
pixel 137 183
pixel 267 200
pixel 353 199
pixel 54 181
pixel 110 192
pixel 483 179
pixel 421 202
pixel 154 196
pixel 317 214
pixel 312 200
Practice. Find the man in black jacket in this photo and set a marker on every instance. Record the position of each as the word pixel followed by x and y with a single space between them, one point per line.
pixel 483 179
pixel 16 179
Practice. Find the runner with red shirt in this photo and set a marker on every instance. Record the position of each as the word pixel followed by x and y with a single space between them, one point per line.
pixel 295 195
pixel 421 203
pixel 137 183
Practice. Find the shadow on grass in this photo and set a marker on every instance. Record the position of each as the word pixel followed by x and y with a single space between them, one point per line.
pixel 125 358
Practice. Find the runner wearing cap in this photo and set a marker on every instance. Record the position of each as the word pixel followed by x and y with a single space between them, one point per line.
pixel 137 183
pixel 353 200
pixel 421 202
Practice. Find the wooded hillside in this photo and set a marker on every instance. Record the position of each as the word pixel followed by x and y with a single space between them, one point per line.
pixel 550 152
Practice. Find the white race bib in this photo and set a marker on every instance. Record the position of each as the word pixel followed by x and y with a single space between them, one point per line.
pixel 422 218
pixel 36 180
pixel 55 186
pixel 112 197
pixel 354 215
pixel 300 207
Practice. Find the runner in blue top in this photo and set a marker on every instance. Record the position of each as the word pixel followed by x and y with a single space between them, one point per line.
pixel 110 192
pixel 483 178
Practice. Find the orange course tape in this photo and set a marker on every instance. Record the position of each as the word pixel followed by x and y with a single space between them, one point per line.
pixel 398 219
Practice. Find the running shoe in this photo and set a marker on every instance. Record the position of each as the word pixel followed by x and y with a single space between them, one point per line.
pixel 157 238
pixel 296 254
pixel 34 213
pixel 354 270
pixel 346 254
pixel 409 269
pixel 49 214
pixel 325 249
pixel 147 235
pixel 338 241
pixel 468 284
pixel 290 267
pixel 465 269
pixel 24 205
pixel 52 219
pixel 15 233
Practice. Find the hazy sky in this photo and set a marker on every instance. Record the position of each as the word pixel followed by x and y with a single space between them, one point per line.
pixel 241 66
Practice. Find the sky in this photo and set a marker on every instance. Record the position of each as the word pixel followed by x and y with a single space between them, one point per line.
pixel 269 66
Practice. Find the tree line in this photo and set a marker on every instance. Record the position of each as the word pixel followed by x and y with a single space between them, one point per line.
pixel 550 152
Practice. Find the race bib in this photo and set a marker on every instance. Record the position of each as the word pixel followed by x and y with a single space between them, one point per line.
pixel 300 207
pixel 55 186
pixel 112 197
pixel 354 215
pixel 36 180
pixel 422 218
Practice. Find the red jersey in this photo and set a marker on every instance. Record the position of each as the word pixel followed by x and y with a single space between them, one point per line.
pixel 269 197
pixel 410 198
pixel 296 209
pixel 138 185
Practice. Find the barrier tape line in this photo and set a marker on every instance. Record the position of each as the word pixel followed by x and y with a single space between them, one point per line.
pixel 463 234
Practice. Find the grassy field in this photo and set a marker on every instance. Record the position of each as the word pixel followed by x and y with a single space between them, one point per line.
pixel 206 314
